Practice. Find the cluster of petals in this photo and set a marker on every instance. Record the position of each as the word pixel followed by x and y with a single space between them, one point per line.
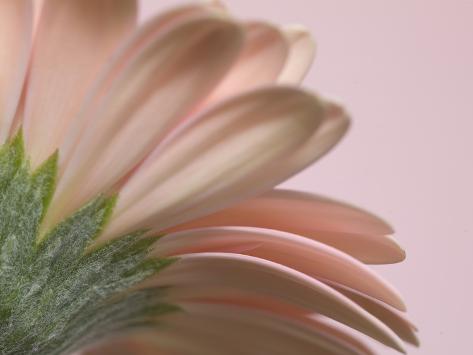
pixel 192 119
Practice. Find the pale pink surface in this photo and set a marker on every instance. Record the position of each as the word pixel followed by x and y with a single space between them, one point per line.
pixel 404 71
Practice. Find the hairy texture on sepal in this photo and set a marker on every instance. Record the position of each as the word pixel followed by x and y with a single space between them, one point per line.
pixel 57 293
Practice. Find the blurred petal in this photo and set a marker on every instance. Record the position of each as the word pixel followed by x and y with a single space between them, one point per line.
pixel 319 324
pixel 345 335
pixel 158 87
pixel 197 276
pixel 16 21
pixel 138 343
pixel 394 319
pixel 74 40
pixel 262 59
pixel 226 329
pixel 144 37
pixel 37 7
pixel 310 257
pixel 212 162
pixel 301 55
pixel 347 228
pixel 147 32
pixel 332 129
pixel 205 329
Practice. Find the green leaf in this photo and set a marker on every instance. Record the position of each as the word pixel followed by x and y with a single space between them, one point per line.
pixel 56 292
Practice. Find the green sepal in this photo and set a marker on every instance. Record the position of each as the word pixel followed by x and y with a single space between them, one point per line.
pixel 60 291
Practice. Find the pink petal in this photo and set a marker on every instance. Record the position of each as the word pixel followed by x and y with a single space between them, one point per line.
pixel 159 85
pixel 394 319
pixel 345 335
pixel 228 329
pixel 317 323
pixel 198 276
pixel 16 21
pixel 148 341
pixel 347 228
pixel 37 7
pixel 213 161
pixel 301 55
pixel 310 257
pixel 147 32
pixel 332 129
pixel 144 37
pixel 74 40
pixel 262 59
pixel 142 342
pixel 124 345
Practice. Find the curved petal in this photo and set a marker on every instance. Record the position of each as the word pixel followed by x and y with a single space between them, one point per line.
pixel 205 328
pixel 37 7
pixel 317 323
pixel 171 17
pixel 347 228
pixel 345 335
pixel 332 129
pixel 226 327
pixel 16 21
pixel 142 342
pixel 301 55
pixel 333 126
pixel 197 276
pixel 161 23
pixel 394 319
pixel 261 60
pixel 144 37
pixel 73 42
pixel 310 257
pixel 212 162
pixel 158 87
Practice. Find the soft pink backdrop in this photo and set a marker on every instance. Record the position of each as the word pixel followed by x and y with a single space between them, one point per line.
pixel 404 69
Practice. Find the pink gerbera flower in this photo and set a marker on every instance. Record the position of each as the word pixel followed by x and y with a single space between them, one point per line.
pixel 137 205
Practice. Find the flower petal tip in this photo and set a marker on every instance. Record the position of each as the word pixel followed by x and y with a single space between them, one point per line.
pixel 415 341
pixel 215 4
pixel 400 251
pixel 297 31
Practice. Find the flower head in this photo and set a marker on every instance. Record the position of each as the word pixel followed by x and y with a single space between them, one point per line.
pixel 138 211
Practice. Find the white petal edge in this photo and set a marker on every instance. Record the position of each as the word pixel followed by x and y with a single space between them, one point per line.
pixel 301 55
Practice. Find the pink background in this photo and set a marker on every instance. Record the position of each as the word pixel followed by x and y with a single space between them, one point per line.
pixel 404 70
